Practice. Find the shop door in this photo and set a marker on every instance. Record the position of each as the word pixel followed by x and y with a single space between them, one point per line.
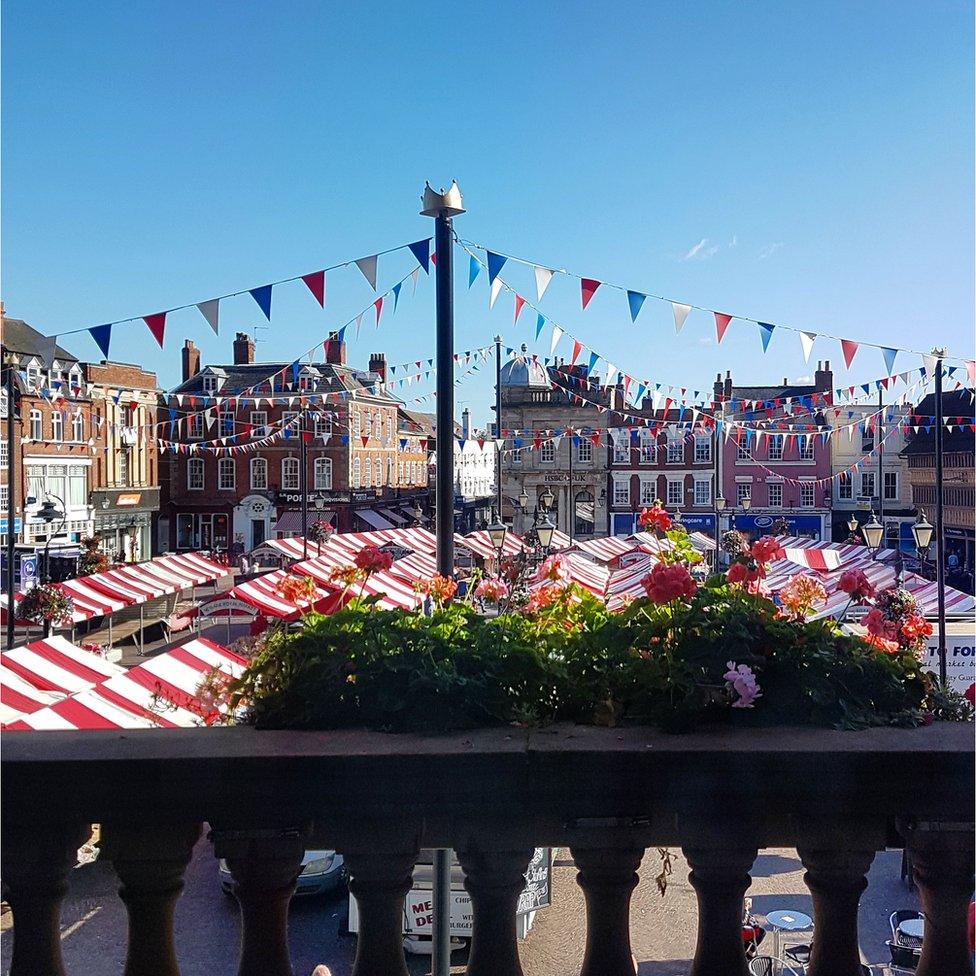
pixel 257 532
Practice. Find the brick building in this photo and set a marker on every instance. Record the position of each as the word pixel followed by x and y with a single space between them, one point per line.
pixel 361 472
pixel 777 470
pixel 124 484
pixel 53 447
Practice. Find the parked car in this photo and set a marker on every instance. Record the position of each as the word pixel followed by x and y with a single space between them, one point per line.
pixel 322 871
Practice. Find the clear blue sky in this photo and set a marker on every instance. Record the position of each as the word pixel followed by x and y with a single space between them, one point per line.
pixel 159 154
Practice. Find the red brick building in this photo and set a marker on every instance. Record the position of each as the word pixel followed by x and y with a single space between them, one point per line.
pixel 361 468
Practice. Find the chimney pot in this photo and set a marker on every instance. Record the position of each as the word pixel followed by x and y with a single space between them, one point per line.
pixel 335 350
pixel 191 359
pixel 243 349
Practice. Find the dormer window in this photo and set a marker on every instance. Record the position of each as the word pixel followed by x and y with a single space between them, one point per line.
pixel 211 384
pixel 34 375
pixel 75 378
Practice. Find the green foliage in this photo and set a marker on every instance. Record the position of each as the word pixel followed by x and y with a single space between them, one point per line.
pixel 565 657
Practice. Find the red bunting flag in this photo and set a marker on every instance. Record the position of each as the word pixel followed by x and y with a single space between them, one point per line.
pixel 365 439
pixel 721 324
pixel 157 325
pixel 577 349
pixel 519 302
pixel 316 285
pixel 378 305
pixel 849 348
pixel 588 287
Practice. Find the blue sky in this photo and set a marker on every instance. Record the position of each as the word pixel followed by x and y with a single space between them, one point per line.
pixel 803 164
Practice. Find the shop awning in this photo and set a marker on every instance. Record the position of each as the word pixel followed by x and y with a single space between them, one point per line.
pixel 480 544
pixel 395 517
pixel 373 518
pixel 291 521
pixel 608 548
pixel 261 593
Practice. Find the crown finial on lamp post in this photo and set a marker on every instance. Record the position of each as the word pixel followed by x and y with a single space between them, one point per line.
pixel 447 202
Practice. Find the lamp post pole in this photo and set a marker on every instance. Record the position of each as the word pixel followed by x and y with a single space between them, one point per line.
pixel 303 481
pixel 939 536
pixel 12 475
pixel 879 439
pixel 443 207
pixel 498 423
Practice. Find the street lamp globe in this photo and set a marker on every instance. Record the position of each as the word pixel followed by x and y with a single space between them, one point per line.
pixel 873 531
pixel 546 499
pixel 544 531
pixel 922 531
pixel 497 532
pixel 523 499
pixel 720 503
pixel 746 503
pixel 852 524
pixel 48 512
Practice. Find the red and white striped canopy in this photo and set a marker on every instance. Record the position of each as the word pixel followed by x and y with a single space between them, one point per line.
pixel 395 592
pixel 417 539
pixel 585 573
pixel 162 693
pixel 261 593
pixel 819 560
pixel 607 548
pixel 480 544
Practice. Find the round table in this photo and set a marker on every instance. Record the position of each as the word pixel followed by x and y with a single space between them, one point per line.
pixel 913 928
pixel 786 920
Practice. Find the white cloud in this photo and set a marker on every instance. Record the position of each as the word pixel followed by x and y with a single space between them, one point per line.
pixel 769 250
pixel 735 241
pixel 700 251
pixel 706 341
pixel 803 379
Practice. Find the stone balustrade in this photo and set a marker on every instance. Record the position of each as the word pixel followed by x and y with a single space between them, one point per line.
pixel 606 794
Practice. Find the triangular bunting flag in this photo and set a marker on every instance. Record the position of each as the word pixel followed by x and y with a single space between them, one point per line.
pixel 588 287
pixel 496 287
pixel 542 278
pixel 680 314
pixel 396 295
pixel 889 358
pixel 102 334
pixel 540 324
pixel 421 251
pixel 849 348
pixel 765 333
pixel 368 268
pixel 316 285
pixel 262 296
pixel 211 312
pixel 636 300
pixel 557 334
pixel 721 324
pixel 519 302
pixel 474 269
pixel 157 326
pixel 577 349
pixel 495 264
pixel 807 340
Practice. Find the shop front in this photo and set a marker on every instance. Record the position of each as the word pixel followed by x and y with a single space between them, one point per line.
pixel 756 524
pixel 123 522
pixel 204 531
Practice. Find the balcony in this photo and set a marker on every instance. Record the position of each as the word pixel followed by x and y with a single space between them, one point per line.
pixel 492 795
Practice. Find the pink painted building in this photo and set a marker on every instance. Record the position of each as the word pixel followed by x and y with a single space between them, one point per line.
pixel 777 471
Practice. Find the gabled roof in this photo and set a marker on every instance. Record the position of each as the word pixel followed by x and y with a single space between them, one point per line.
pixel 24 339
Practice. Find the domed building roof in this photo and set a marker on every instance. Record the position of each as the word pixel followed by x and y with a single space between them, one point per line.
pixel 524 370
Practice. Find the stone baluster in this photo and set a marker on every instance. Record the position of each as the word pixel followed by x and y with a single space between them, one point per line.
pixel 608 877
pixel 836 879
pixel 720 877
pixel 149 861
pixel 35 867
pixel 379 880
pixel 494 879
pixel 942 859
pixel 265 866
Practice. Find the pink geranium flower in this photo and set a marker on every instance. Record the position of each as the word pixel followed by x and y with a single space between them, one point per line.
pixel 666 583
pixel 855 583
pixel 742 682
pixel 372 560
pixel 766 549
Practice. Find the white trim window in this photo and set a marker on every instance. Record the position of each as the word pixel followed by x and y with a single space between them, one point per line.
pixel 78 427
pixel 621 491
pixel 33 376
pixel 676 493
pixel 194 474
pixel 4 453
pixel 368 430
pixel 322 473
pixel 676 448
pixel 367 472
pixel 210 384
pixel 226 423
pixel 774 494
pixel 776 442
pixel 57 425
pixel 547 452
pixel 703 493
pixel 808 495
pixel 584 451
pixel 648 447
pixel 742 451
pixel 378 467
pixel 36 425
pixel 516 455
pixel 806 447
pixel 259 474
pixel 621 448
pixel 743 490
pixel 648 491
pixel 868 484
pixel 323 425
pixel 226 474
pixel 356 424
pixel 356 472
pixel 290 474
pixel 259 423
pixel 845 486
pixel 196 425
pixel 703 451
pixel 891 486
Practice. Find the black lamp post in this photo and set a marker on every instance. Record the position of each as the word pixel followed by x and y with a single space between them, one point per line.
pixel 544 532
pixel 49 514
pixel 497 532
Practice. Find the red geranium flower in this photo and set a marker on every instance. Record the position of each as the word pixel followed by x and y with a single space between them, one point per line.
pixel 739 572
pixel 373 560
pixel 666 583
pixel 854 582
pixel 766 549
pixel 655 518
pixel 914 627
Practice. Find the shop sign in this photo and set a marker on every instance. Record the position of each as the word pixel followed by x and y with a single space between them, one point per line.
pixel 960 659
pixel 129 499
pixel 327 498
pixel 228 606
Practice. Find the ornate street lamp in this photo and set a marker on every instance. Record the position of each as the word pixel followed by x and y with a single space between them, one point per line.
pixel 523 499
pixel 922 531
pixel 720 503
pixel 497 532
pixel 852 524
pixel 546 499
pixel 873 532
pixel 746 503
pixel 544 531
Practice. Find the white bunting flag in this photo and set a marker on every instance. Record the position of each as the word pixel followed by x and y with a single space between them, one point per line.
pixel 542 278
pixel 211 312
pixel 359 322
pixel 368 268
pixel 496 287
pixel 414 275
pixel 929 363
pixel 806 340
pixel 557 334
pixel 680 314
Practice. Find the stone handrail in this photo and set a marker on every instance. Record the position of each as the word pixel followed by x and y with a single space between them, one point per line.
pixel 492 795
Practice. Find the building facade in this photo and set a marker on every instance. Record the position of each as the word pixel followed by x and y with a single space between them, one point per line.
pixel 53 449
pixel 958 479
pixel 475 472
pixel 880 484
pixel 774 457
pixel 539 454
pixel 125 468
pixel 239 432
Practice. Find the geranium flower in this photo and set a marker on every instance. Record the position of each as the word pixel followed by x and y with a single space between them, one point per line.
pixel 915 627
pixel 741 680
pixel 372 560
pixel 878 625
pixel 740 572
pixel 666 583
pixel 296 589
pixel 492 589
pixel 970 694
pixel 442 588
pixel 801 594
pixel 543 597
pixel 345 575
pixel 855 583
pixel 554 568
pixel 766 549
pixel 882 643
pixel 654 518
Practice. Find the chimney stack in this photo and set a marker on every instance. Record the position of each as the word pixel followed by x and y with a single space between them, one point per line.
pixel 377 365
pixel 824 378
pixel 728 384
pixel 191 359
pixel 335 350
pixel 243 349
pixel 465 423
